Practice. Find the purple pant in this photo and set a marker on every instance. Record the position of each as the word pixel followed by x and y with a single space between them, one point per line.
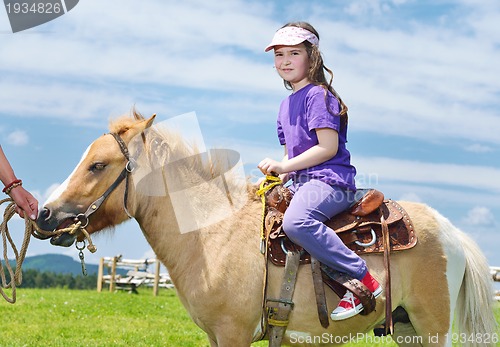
pixel 313 203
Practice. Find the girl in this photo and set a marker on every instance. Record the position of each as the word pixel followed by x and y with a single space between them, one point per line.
pixel 312 125
pixel 25 202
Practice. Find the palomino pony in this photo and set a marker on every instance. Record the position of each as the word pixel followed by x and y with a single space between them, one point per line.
pixel 219 271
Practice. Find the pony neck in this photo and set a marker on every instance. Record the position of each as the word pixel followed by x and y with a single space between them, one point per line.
pixel 195 255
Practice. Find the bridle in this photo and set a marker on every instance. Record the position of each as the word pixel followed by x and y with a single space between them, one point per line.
pixel 82 219
pixel 129 167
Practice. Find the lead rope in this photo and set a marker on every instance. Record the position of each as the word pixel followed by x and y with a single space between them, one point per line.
pixel 16 276
pixel 31 229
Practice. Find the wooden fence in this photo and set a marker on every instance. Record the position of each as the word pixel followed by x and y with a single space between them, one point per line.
pixel 495 275
pixel 138 274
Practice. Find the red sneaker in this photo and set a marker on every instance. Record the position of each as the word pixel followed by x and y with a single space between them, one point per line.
pixel 350 305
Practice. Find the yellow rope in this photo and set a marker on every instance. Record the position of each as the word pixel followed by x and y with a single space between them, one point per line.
pixel 278 323
pixel 268 183
pixel 31 229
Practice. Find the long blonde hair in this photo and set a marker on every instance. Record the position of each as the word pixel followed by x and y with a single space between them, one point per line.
pixel 317 68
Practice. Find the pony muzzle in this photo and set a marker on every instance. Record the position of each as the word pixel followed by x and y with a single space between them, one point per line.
pixel 63 240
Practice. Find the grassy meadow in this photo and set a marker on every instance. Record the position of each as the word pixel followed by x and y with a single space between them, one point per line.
pixel 61 317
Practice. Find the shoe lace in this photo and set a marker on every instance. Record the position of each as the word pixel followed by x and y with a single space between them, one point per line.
pixel 349 298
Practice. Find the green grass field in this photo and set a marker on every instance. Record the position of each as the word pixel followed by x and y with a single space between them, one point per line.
pixel 58 317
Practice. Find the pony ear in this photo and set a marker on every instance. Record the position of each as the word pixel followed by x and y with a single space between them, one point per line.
pixel 150 121
pixel 138 128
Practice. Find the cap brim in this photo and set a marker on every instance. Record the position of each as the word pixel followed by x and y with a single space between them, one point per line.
pixel 268 48
pixel 288 42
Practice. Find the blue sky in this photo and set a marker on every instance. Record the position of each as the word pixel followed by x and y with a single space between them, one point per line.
pixel 420 79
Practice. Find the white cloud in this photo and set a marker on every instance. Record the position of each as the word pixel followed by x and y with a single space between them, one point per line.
pixel 94 69
pixel 452 175
pixel 374 171
pixel 371 7
pixel 480 216
pixel 192 55
pixel 478 148
pixel 419 81
pixel 52 188
pixel 150 254
pixel 411 196
pixel 18 138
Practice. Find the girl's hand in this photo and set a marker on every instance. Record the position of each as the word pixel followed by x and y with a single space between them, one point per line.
pixel 25 202
pixel 269 166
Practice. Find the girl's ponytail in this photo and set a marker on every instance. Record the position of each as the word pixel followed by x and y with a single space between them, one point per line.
pixel 317 70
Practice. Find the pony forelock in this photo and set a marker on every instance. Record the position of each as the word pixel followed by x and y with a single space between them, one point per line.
pixel 125 122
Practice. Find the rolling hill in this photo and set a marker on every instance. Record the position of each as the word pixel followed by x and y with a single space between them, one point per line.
pixel 57 263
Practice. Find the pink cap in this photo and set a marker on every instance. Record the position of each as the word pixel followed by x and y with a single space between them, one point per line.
pixel 291 36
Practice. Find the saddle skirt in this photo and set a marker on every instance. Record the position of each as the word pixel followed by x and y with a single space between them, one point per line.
pixel 359 227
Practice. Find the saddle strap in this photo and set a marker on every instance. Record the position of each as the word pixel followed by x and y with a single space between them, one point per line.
pixel 389 327
pixel 319 290
pixel 279 309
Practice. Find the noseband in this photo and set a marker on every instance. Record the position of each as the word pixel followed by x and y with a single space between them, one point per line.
pixel 129 167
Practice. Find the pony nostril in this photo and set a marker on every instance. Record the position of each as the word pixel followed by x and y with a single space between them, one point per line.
pixel 44 214
pixel 49 219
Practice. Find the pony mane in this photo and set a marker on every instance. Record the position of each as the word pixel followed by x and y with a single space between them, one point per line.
pixel 163 144
pixel 125 122
pixel 203 188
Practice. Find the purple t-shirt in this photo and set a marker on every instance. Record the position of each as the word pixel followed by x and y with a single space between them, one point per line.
pixel 300 114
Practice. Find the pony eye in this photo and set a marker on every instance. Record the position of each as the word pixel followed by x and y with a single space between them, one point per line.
pixel 97 167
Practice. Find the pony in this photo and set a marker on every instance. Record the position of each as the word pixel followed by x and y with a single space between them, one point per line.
pixel 220 274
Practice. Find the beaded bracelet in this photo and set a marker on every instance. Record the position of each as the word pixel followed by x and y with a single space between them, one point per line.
pixel 12 185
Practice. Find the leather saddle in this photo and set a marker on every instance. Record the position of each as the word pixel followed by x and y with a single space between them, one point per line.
pixel 359 227
pixel 362 227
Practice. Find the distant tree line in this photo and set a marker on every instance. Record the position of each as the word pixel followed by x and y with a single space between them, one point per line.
pixel 42 279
